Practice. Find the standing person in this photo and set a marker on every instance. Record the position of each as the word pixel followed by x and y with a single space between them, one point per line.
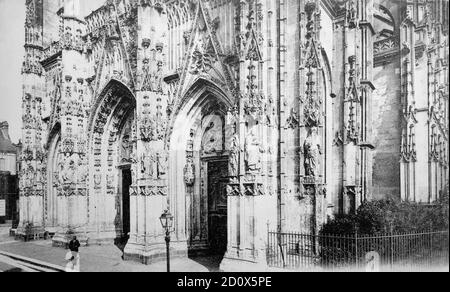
pixel 70 265
pixel 74 246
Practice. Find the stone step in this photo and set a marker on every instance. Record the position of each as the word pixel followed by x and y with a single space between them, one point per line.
pixel 27 263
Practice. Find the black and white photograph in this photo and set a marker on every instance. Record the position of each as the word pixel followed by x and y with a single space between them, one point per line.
pixel 221 137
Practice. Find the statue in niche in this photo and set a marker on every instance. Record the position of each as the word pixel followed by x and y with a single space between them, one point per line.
pixel 189 173
pixel 113 29
pixel 82 175
pixel 97 180
pixel 212 140
pixel 146 84
pixel 147 128
pixel 156 78
pixel 109 181
pixel 67 170
pixel 29 177
pixel 162 161
pixel 234 153
pixel 311 152
pixel 38 174
pixel 147 165
pixel 161 125
pixel 126 148
pixel 253 152
pixel 61 170
pixel 55 178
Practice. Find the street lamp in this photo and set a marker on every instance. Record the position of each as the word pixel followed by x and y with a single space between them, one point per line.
pixel 167 223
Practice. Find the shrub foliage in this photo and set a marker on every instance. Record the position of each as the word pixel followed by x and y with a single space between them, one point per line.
pixel 390 216
pixel 387 217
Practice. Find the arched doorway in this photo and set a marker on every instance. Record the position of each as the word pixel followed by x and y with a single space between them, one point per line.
pixel 112 155
pixel 208 210
pixel 124 162
pixel 53 217
pixel 198 164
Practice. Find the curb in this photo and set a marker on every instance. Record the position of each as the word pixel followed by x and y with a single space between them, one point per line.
pixel 33 262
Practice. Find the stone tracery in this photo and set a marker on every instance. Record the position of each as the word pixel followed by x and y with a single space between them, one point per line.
pixel 167 90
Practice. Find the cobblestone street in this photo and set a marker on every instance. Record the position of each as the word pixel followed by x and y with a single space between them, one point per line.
pixel 105 258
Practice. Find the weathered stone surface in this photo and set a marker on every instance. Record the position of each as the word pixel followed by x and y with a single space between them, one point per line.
pixel 237 116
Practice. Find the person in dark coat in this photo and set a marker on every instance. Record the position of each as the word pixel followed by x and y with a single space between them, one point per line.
pixel 74 246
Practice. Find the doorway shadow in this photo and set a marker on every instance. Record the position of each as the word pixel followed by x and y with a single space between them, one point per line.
pixel 121 243
pixel 207 258
pixel 211 262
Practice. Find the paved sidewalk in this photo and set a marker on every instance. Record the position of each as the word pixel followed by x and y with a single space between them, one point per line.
pixel 96 258
pixel 106 258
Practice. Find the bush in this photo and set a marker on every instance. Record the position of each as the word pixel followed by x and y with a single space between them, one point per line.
pixel 386 216
pixel 390 216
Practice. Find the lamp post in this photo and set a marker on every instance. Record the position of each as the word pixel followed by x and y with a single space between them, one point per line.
pixel 167 223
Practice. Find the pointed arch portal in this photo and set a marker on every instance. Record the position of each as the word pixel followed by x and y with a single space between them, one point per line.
pixel 199 161
pixel 112 152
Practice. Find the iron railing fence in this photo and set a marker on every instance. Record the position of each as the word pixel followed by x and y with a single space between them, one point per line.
pixel 420 251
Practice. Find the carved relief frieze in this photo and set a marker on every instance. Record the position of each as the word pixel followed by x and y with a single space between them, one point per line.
pixel 253 189
pixel 151 191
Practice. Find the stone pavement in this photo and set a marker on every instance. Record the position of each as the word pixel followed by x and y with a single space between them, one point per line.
pixel 106 258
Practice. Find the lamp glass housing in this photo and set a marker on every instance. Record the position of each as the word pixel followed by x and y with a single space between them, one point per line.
pixel 166 220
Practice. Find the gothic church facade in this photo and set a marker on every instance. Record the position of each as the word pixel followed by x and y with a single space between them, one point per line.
pixel 238 116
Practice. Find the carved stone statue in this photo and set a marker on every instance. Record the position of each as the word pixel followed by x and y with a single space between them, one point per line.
pixel 189 173
pixel 311 152
pixel 67 170
pixel 97 180
pixel 29 177
pixel 147 165
pixel 212 140
pixel 253 152
pixel 146 83
pixel 234 154
pixel 157 77
pixel 162 161
pixel 147 128
pixel 126 149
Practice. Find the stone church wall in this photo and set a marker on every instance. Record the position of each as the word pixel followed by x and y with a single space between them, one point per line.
pixel 135 107
pixel 387 131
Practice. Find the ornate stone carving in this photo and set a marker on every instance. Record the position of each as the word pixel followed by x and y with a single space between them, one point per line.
pixel 203 56
pixel 67 170
pixel 212 139
pixel 234 153
pixel 312 151
pixel 253 150
pixel 126 149
pixel 148 165
pixel 189 173
pixel 162 160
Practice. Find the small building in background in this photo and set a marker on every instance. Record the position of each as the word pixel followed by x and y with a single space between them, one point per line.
pixel 9 180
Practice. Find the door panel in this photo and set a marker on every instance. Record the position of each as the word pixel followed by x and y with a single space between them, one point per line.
pixel 126 183
pixel 217 205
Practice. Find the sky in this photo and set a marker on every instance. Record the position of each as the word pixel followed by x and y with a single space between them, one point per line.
pixel 12 20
